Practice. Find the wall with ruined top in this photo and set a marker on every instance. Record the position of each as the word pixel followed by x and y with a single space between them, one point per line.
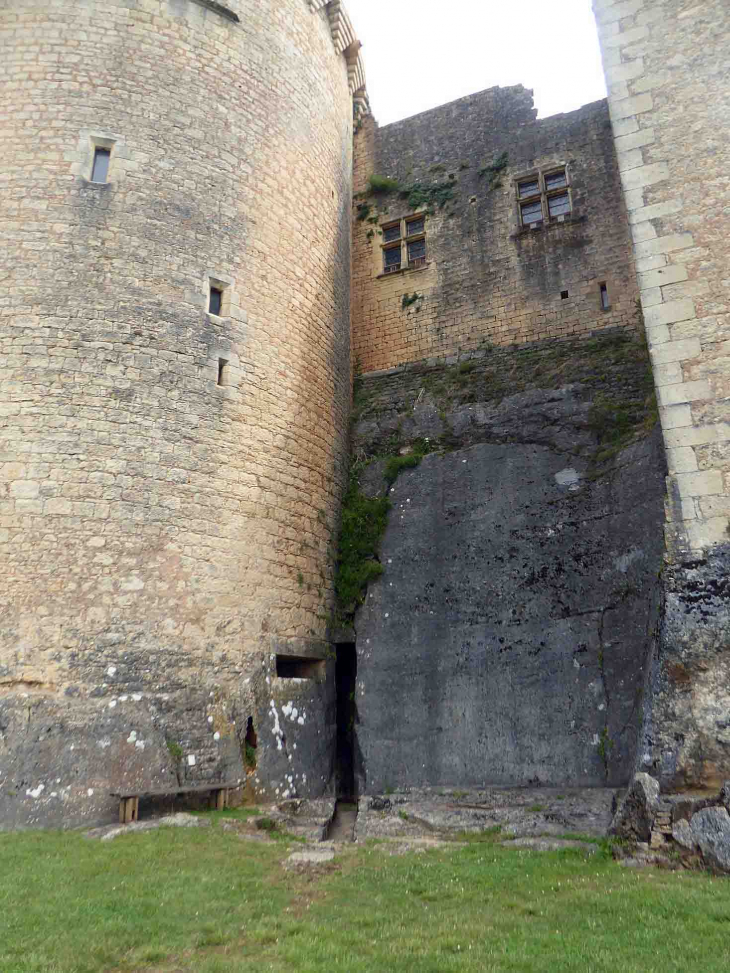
pixel 487 279
pixel 666 65
pixel 165 535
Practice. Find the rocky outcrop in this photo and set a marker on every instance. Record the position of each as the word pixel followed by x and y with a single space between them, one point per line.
pixel 506 641
pixel 710 830
pixel 686 742
pixel 635 815
pixel 696 827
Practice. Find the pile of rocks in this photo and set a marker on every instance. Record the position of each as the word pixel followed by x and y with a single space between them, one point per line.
pixel 690 827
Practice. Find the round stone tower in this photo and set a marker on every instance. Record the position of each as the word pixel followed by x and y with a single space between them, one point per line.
pixel 175 202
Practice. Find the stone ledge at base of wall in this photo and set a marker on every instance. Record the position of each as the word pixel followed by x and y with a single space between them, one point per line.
pixel 142 719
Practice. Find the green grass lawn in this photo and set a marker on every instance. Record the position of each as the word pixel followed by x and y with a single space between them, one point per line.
pixel 205 900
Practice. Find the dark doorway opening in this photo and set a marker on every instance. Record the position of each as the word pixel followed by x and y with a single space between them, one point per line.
pixel 345 676
pixel 250 744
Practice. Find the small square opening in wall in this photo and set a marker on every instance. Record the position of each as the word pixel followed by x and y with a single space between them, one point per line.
pixel 100 165
pixel 219 297
pixel 297 667
pixel 564 295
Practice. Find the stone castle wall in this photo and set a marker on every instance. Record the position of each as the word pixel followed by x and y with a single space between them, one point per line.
pixel 487 279
pixel 666 68
pixel 170 479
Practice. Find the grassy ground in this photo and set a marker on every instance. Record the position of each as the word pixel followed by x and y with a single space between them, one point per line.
pixel 207 901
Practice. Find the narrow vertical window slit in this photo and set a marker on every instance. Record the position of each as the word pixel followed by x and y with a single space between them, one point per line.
pixel 216 301
pixel 100 167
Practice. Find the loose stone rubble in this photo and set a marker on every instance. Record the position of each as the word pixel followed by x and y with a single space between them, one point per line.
pixel 674 829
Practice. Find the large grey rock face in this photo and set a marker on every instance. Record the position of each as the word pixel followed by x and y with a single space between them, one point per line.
pixel 710 830
pixel 635 814
pixel 506 640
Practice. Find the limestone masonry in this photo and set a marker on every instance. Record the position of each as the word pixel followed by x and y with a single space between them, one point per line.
pixel 171 477
pixel 666 65
pixel 203 236
pixel 487 276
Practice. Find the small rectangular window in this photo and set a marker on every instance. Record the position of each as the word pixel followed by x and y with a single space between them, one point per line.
pixel 416 253
pixel 391 233
pixel 391 259
pixel 605 305
pixel 555 180
pixel 294 667
pixel 529 188
pixel 559 205
pixel 216 300
pixel 564 295
pixel 100 167
pixel 415 226
pixel 531 213
pixel 222 371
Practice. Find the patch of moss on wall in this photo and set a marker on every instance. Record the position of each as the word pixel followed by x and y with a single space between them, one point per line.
pixel 612 368
pixel 419 195
pixel 362 526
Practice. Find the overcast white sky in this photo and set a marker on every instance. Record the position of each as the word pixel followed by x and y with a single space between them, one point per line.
pixel 422 53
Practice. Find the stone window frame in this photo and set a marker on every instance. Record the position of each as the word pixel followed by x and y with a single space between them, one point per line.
pixel 226 332
pixel 223 284
pixel 543 195
pixel 403 244
pixel 83 158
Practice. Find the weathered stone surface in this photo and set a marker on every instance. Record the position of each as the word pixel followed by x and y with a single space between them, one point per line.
pixel 379 803
pixel 311 856
pixel 170 479
pixel 686 739
pixel 488 279
pixel 686 742
pixel 519 812
pixel 148 726
pixel 635 814
pixel 682 834
pixel 710 829
pixel 506 640
pixel 308 819
pixel 683 807
pixel 552 844
pixel 179 820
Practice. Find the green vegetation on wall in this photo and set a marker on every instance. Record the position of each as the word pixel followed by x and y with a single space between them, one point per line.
pixel 613 367
pixel 419 195
pixel 494 171
pixel 361 528
pixel 382 184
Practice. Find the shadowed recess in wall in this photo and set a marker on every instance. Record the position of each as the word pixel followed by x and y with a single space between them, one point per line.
pixel 218 8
